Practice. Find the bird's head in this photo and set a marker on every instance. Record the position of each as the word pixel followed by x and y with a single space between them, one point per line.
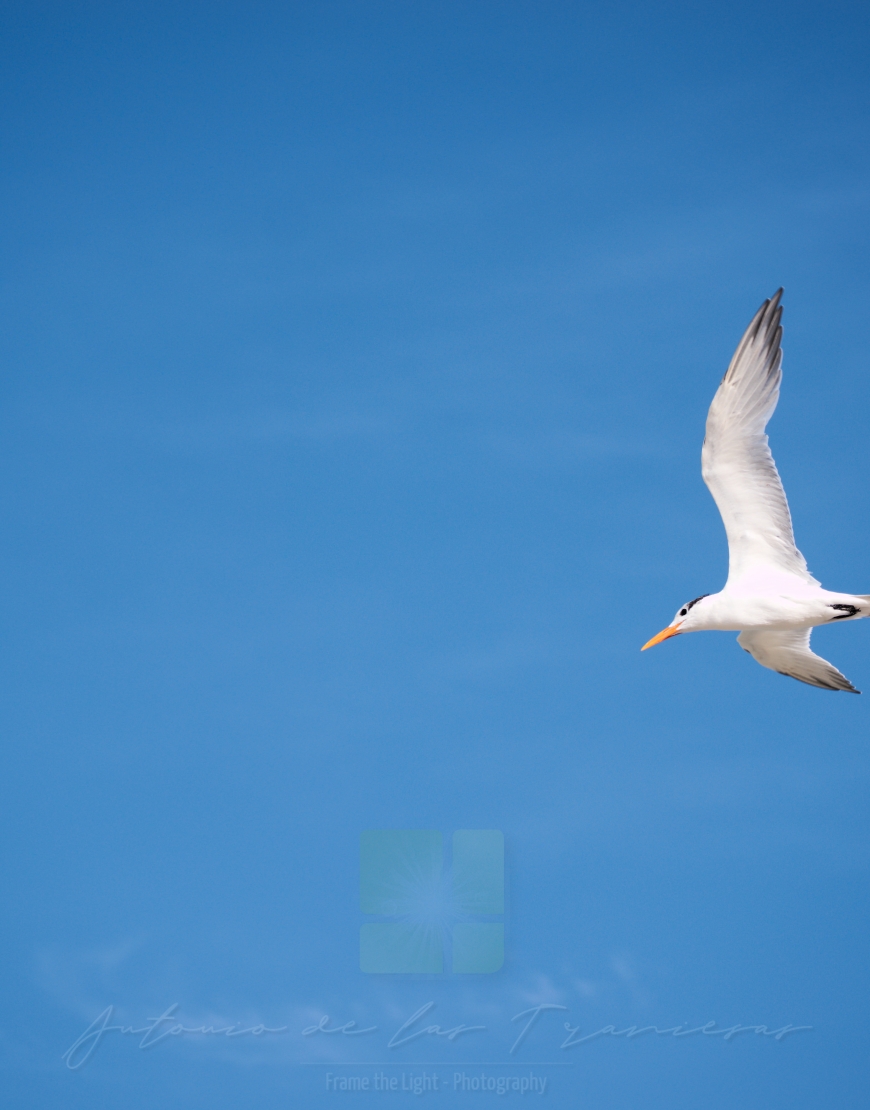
pixel 689 618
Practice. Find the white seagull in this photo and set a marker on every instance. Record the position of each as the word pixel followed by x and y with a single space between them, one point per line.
pixel 770 596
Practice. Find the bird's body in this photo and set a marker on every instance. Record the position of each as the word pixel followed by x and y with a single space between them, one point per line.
pixel 777 605
pixel 770 596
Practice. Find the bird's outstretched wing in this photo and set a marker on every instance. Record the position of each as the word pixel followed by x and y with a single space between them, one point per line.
pixel 736 461
pixel 790 653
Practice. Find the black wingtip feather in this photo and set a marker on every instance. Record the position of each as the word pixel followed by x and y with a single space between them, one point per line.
pixel 766 323
pixel 769 315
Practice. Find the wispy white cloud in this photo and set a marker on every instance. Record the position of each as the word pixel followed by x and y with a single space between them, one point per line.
pixel 79 980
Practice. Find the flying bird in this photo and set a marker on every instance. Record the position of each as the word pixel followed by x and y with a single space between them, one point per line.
pixel 770 597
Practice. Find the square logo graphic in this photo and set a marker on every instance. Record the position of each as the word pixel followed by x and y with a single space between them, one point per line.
pixel 434 915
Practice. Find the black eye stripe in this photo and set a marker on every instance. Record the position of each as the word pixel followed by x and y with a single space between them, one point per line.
pixel 695 602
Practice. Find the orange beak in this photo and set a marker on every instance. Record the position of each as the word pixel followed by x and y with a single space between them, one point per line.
pixel 665 634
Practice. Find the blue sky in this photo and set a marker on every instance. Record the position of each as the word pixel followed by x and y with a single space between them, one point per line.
pixel 356 360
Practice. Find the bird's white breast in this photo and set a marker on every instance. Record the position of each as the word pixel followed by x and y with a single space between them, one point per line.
pixel 770 602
